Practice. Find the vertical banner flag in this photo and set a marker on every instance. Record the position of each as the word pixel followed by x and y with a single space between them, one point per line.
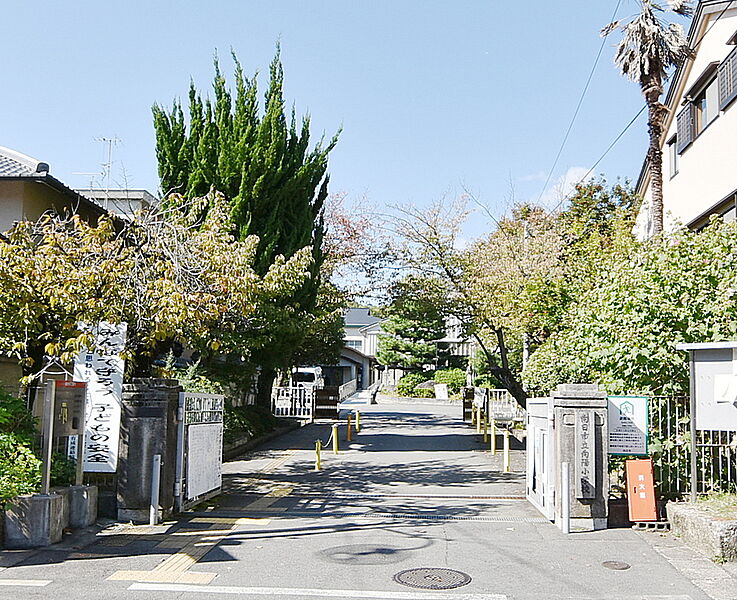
pixel 102 368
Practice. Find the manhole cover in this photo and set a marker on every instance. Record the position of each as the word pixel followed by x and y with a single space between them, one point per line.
pixel 616 565
pixel 432 579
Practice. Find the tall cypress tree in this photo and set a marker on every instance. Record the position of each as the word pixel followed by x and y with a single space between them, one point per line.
pixel 263 163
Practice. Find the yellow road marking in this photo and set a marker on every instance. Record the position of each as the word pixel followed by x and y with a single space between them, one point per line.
pixel 162 577
pixel 230 521
pixel 266 501
pixel 175 568
pixel 192 544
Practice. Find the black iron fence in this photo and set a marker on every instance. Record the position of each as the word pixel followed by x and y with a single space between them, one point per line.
pixel 670 448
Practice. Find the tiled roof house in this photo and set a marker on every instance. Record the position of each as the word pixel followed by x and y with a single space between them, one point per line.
pixel 28 190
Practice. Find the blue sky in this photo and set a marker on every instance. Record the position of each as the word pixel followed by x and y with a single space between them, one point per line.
pixel 432 96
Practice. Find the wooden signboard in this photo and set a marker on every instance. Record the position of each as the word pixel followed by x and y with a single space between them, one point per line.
pixel 641 490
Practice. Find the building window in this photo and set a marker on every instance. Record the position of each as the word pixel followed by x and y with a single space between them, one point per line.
pixel 701 106
pixel 707 105
pixel 673 155
pixel 355 344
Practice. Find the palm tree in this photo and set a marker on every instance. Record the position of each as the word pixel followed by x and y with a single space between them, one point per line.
pixel 649 49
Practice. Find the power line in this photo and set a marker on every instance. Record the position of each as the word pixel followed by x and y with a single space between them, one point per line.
pixel 578 107
pixel 596 164
pixel 632 121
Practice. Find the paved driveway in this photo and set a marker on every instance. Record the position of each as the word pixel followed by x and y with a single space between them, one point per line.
pixel 415 489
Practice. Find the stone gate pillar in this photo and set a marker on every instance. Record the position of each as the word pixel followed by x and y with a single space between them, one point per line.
pixel 581 440
pixel 148 427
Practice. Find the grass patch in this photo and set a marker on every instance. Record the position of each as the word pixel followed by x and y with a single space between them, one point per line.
pixel 723 506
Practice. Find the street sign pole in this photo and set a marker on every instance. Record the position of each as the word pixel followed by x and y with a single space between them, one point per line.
pixel 48 433
pixel 692 401
pixel 79 471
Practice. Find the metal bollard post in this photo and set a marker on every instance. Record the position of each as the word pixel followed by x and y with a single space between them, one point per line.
pixel 335 438
pixel 358 421
pixel 565 500
pixel 486 428
pixel 507 467
pixel 493 437
pixel 349 433
pixel 153 511
pixel 318 458
pixel 473 414
pixel 478 421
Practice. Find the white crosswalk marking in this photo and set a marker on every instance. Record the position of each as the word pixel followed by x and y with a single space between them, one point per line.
pixel 306 592
pixel 25 582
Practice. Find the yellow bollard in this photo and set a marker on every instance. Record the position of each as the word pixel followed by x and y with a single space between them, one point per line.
pixel 493 436
pixel 507 467
pixel 486 428
pixel 478 421
pixel 358 421
pixel 349 433
pixel 318 458
pixel 335 438
pixel 473 414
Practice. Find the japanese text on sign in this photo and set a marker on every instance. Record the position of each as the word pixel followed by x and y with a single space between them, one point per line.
pixel 102 368
pixel 585 454
pixel 628 425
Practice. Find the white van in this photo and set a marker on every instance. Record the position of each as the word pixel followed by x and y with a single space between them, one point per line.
pixel 308 377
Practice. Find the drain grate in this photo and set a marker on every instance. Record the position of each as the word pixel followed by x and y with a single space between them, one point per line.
pixel 432 579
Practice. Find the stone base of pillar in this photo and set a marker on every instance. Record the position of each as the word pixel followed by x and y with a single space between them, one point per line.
pixel 34 521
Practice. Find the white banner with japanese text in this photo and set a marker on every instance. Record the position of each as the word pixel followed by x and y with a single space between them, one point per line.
pixel 102 369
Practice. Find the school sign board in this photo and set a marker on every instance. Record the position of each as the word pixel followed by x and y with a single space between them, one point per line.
pixel 199 448
pixel 628 425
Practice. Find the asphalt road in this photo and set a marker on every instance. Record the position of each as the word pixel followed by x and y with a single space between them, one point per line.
pixel 416 488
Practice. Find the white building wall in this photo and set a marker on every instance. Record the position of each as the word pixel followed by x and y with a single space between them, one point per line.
pixel 371 343
pixel 707 171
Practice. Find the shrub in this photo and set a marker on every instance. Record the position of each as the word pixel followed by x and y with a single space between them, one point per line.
pixel 20 470
pixel 409 381
pixel 242 421
pixel 423 393
pixel 15 418
pixel 63 469
pixel 454 378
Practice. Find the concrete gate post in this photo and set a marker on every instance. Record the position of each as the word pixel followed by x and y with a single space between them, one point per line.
pixel 581 440
pixel 148 427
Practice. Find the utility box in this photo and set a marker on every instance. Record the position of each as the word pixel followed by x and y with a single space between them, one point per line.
pixel 713 384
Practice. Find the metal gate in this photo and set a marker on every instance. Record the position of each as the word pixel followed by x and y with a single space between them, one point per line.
pixel 541 456
pixel 294 402
pixel 199 448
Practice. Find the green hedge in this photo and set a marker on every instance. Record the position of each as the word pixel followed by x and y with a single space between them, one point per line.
pixel 409 381
pixel 454 378
pixel 251 421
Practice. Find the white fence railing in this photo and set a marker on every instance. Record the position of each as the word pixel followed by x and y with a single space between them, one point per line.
pixel 296 402
pixel 502 406
pixel 347 389
pixel 498 404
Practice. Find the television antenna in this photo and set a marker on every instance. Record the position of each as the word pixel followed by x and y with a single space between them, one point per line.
pixel 107 166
